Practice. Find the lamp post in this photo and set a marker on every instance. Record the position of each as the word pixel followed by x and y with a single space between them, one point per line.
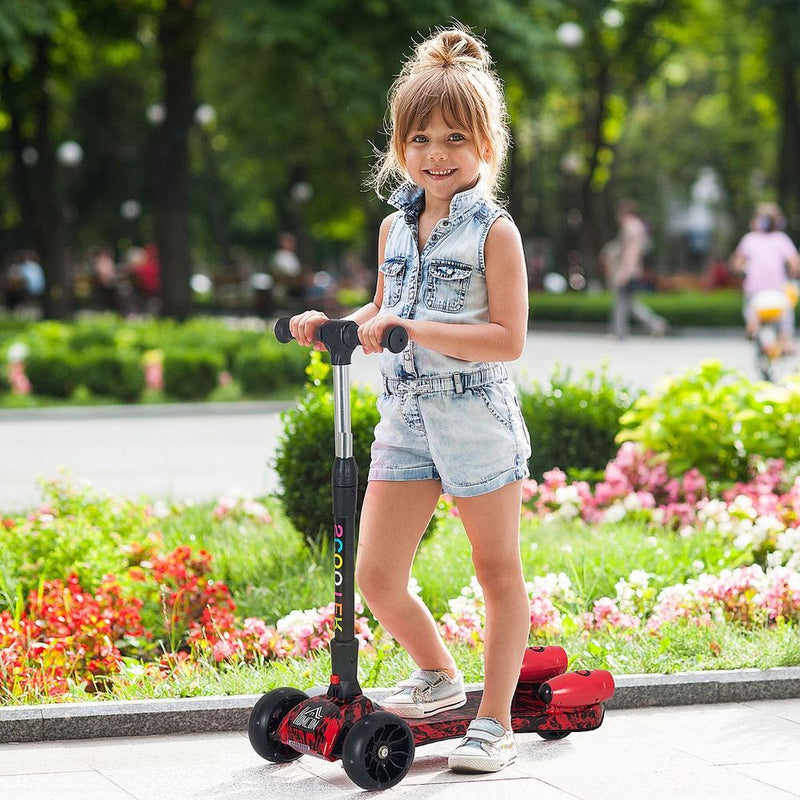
pixel 69 155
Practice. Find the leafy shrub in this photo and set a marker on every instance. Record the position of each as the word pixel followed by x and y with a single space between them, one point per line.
pixel 52 371
pixel 91 335
pixel 74 530
pixel 715 419
pixel 202 333
pixel 572 424
pixel 265 366
pixel 305 452
pixel 192 374
pixel 717 308
pixel 5 383
pixel 112 373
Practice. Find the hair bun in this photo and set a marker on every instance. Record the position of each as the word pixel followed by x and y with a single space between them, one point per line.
pixel 452 47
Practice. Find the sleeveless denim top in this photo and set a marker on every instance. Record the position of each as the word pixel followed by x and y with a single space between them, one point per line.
pixel 445 282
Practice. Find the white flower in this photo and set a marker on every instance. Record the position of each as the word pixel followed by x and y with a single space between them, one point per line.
pixel 615 512
pixel 632 502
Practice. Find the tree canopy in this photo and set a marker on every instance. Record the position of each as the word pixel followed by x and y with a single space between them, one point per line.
pixel 209 128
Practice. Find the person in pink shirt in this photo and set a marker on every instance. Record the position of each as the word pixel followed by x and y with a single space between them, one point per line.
pixel 767 258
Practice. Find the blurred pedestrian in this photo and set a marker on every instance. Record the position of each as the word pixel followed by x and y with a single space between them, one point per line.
pixel 105 288
pixel 767 258
pixel 623 260
pixel 24 280
pixel 287 270
pixel 143 269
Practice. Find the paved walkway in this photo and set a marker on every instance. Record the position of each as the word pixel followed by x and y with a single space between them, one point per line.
pixel 744 751
pixel 200 452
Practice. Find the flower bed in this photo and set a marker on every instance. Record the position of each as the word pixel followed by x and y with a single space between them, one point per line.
pixel 162 611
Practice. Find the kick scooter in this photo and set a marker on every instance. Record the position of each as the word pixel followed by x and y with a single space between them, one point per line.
pixel 376 747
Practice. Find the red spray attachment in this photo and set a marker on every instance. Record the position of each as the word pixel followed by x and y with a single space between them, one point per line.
pixel 575 689
pixel 541 663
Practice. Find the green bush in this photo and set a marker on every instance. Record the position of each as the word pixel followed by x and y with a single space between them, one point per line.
pixel 265 366
pixel 192 374
pixel 112 373
pixel 572 424
pixel 717 308
pixel 305 452
pixel 52 371
pixel 715 419
pixel 91 335
pixel 203 333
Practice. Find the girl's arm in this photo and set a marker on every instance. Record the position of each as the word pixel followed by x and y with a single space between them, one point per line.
pixel 502 338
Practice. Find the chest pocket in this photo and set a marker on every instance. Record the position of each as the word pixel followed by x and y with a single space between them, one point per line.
pixel 448 282
pixel 393 270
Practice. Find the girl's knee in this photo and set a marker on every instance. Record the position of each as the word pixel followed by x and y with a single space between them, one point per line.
pixel 375 583
pixel 499 575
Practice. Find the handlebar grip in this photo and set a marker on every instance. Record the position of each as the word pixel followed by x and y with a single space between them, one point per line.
pixel 282 332
pixel 394 339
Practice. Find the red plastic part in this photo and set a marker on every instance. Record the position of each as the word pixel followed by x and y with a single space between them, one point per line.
pixel 543 663
pixel 577 689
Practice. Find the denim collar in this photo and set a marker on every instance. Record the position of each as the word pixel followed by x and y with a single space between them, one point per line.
pixel 410 199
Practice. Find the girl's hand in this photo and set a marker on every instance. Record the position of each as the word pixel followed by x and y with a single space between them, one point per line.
pixel 304 328
pixel 371 332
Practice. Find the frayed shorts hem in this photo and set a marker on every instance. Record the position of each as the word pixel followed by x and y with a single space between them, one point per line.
pixel 430 473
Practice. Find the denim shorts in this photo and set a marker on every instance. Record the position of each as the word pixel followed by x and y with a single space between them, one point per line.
pixel 465 430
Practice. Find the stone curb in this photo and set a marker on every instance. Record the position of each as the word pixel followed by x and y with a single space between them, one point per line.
pixel 109 719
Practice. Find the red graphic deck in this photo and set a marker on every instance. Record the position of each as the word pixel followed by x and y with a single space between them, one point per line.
pixel 528 715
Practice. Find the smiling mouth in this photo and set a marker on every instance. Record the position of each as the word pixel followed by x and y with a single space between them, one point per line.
pixel 440 173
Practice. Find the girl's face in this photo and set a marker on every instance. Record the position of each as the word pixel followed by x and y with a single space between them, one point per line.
pixel 443 160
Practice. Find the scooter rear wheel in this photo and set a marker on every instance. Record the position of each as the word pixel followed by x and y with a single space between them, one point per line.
pixel 378 751
pixel 266 716
pixel 553 736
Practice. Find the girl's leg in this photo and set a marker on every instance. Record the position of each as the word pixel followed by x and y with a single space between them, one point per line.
pixel 492 524
pixel 394 517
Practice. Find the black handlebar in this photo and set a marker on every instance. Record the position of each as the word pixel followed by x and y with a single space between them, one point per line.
pixel 340 337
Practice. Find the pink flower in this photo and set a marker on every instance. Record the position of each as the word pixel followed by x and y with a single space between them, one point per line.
pixel 18 379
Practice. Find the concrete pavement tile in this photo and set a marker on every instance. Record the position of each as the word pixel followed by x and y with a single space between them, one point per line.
pixel 476 788
pixel 780 774
pixel 214 750
pixel 618 769
pixel 734 733
pixel 786 709
pixel 237 782
pixel 34 757
pixel 61 786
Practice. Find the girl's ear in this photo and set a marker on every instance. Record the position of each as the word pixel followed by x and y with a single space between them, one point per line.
pixel 486 152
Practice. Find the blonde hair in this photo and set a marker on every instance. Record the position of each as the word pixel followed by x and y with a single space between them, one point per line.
pixel 450 71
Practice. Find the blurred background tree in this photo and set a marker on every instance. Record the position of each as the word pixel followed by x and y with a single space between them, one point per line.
pixel 208 128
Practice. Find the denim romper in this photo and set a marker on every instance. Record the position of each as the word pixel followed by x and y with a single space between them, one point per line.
pixel 442 418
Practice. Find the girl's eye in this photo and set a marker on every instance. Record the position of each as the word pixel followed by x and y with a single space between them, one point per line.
pixel 419 139
pixel 457 137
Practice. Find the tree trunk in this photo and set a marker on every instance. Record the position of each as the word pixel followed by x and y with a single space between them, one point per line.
pixel 789 147
pixel 177 40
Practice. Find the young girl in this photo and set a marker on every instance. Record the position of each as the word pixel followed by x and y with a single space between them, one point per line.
pixel 452 273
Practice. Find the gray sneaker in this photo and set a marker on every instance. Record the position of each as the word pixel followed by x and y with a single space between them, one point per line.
pixel 425 693
pixel 487 747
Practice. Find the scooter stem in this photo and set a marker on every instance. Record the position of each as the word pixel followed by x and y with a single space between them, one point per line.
pixel 341 338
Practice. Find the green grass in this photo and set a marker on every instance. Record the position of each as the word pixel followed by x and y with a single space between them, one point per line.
pixel 593 558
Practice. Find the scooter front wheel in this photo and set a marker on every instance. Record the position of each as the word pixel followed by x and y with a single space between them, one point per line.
pixel 266 717
pixel 378 751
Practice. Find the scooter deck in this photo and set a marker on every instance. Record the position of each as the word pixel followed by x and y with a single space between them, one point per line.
pixel 528 715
